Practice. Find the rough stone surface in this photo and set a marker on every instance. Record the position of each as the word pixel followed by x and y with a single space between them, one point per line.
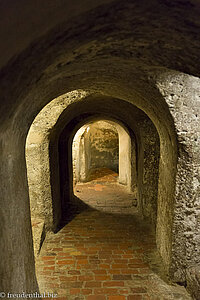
pixel 193 281
pixel 104 142
pixel 80 155
pixel 95 145
pixel 37 158
pixel 185 108
pixel 151 156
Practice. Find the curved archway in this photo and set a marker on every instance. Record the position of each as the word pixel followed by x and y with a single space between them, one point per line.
pixel 119 162
pixel 105 143
pixel 45 123
pixel 65 140
pixel 163 94
pixel 37 151
pixel 164 165
pixel 56 206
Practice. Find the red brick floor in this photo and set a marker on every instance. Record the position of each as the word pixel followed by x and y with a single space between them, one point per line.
pixel 100 256
pixel 103 192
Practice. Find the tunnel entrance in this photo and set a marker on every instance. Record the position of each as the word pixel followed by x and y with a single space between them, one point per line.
pixel 64 212
pixel 99 167
pixel 58 175
pixel 95 145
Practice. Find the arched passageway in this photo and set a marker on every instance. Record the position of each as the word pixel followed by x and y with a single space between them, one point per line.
pixel 104 167
pixel 110 54
pixel 138 161
pixel 139 142
pixel 86 111
pixel 63 205
pixel 95 145
pixel 62 202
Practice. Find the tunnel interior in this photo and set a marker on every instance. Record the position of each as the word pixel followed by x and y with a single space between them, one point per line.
pixel 49 155
pixel 95 145
pixel 89 158
pixel 134 63
pixel 104 167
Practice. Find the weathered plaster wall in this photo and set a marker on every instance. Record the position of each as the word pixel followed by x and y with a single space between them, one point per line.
pixel 104 146
pixel 37 161
pixel 127 159
pixel 182 93
pixel 95 145
pixel 151 155
pixel 80 156
pixel 17 270
pixel 21 23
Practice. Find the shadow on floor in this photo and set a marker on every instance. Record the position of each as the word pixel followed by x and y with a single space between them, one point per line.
pixel 104 256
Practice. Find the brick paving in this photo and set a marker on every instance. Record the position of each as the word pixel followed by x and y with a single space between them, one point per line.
pixel 102 256
pixel 103 192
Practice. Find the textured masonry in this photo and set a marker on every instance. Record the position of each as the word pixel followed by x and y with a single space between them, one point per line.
pixel 131 59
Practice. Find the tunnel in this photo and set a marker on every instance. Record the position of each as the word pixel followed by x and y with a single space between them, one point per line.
pixel 131 63
pixel 49 153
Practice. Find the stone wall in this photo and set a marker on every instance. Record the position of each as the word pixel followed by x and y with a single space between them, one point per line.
pixel 183 98
pixel 95 145
pixel 138 158
pixel 44 213
pixel 104 146
pixel 79 156
pixel 151 144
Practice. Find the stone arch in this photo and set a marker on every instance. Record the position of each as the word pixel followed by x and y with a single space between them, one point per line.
pixel 165 146
pixel 127 154
pixel 165 250
pixel 37 148
pixel 38 171
pixel 127 158
pixel 138 73
pixel 66 134
pixel 80 155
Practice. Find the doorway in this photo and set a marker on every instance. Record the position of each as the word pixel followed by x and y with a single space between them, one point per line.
pixel 102 173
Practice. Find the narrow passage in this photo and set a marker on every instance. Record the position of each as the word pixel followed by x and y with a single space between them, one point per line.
pixel 102 256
